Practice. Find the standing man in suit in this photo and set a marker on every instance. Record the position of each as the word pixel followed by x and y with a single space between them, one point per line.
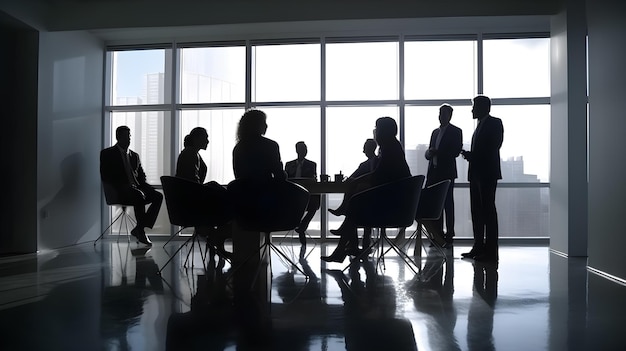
pixel 483 174
pixel 303 168
pixel 121 168
pixel 445 146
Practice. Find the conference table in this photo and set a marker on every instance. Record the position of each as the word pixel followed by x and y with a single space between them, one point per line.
pixel 321 188
pixel 315 187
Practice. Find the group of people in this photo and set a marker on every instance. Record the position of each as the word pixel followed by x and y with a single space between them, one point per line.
pixel 257 157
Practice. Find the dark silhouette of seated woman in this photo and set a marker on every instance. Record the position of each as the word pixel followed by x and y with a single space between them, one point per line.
pixel 191 166
pixel 256 157
pixel 391 166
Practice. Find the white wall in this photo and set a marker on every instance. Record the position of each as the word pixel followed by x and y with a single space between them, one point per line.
pixel 568 161
pixel 69 138
pixel 607 131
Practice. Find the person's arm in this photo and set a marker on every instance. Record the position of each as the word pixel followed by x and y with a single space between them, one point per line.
pixel 141 175
pixel 278 171
pixel 432 151
pixel 454 143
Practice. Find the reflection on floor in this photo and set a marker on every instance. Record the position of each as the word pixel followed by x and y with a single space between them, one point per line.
pixel 110 297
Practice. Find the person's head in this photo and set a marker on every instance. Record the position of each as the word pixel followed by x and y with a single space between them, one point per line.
pixel 252 123
pixel 301 150
pixel 481 106
pixel 369 148
pixel 122 135
pixel 198 138
pixel 386 130
pixel 445 114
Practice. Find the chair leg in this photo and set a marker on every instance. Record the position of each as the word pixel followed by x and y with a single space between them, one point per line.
pixel 174 255
pixel 265 251
pixel 107 228
pixel 380 249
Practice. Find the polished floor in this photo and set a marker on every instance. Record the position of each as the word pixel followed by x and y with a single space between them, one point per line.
pixel 111 297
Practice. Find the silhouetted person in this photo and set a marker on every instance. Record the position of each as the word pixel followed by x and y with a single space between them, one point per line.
pixel 482 307
pixel 391 166
pixel 370 311
pixel 367 166
pixel 303 168
pixel 483 174
pixel 256 157
pixel 445 146
pixel 191 166
pixel 121 168
pixel 434 279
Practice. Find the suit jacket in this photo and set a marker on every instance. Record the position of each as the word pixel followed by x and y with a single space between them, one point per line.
pixel 112 168
pixel 309 169
pixel 449 149
pixel 484 160
pixel 191 166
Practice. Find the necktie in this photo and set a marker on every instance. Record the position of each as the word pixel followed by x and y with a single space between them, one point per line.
pixel 129 172
pixel 437 142
pixel 299 169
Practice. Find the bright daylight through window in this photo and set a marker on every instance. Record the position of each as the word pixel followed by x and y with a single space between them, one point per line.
pixel 328 93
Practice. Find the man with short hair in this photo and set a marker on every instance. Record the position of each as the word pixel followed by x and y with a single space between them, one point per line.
pixel 445 146
pixel 303 168
pixel 483 174
pixel 121 168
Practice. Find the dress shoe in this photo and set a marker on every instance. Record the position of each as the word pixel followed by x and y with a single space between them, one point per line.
pixel 339 255
pixel 140 235
pixel 337 212
pixel 470 254
pixel 335 232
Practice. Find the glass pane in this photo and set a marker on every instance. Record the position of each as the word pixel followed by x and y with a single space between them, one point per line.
pixel 440 69
pixel 517 68
pixel 525 151
pixel 522 212
pixel 221 126
pixel 139 77
pixel 420 122
pixel 213 75
pixel 362 71
pixel 286 73
pixel 149 138
pixel 347 128
pixel 287 126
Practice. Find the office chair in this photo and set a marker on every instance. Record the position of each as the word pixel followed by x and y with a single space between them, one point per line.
pixel 389 205
pixel 190 204
pixel 430 208
pixel 113 199
pixel 266 207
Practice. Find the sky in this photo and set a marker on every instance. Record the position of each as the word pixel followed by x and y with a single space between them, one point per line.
pixel 368 71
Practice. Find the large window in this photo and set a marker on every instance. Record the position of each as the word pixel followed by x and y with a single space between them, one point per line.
pixel 328 92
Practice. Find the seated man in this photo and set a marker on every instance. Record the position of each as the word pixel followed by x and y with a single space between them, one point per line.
pixel 303 168
pixel 121 168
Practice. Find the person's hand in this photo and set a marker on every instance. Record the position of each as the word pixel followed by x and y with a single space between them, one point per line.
pixel 465 154
pixel 431 152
